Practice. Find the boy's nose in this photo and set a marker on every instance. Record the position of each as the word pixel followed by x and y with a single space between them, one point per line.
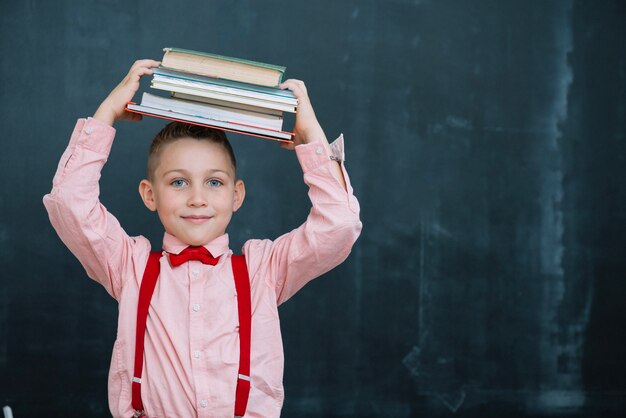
pixel 197 197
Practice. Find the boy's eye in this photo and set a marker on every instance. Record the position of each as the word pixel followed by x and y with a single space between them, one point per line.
pixel 179 183
pixel 214 183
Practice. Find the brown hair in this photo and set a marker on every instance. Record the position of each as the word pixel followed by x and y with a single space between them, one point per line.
pixel 174 131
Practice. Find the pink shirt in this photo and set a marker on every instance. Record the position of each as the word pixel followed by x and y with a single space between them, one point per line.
pixel 191 342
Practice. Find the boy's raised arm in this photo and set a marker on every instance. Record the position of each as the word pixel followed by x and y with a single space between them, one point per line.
pixel 332 226
pixel 94 235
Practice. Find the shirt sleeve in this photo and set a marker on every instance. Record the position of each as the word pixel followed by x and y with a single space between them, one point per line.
pixel 90 232
pixel 326 237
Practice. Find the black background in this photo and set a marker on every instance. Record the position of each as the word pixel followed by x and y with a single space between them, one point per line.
pixel 486 144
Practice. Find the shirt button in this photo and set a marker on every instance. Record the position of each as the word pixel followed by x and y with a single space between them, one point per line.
pixel 88 131
pixel 318 150
pixel 196 307
pixel 204 403
pixel 196 354
pixel 195 272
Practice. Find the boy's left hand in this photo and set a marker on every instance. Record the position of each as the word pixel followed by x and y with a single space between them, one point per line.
pixel 307 128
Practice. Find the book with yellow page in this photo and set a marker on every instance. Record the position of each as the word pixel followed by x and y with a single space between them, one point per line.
pixel 220 66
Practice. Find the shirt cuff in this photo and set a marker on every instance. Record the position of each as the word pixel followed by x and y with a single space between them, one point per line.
pixel 315 154
pixel 93 135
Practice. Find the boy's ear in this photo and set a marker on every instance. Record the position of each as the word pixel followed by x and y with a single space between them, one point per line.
pixel 147 194
pixel 240 194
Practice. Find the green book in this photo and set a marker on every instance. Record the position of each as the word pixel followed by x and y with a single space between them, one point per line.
pixel 220 66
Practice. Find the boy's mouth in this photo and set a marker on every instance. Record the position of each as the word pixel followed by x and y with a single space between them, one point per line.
pixel 196 219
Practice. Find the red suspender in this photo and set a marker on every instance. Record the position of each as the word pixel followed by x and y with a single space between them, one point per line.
pixel 148 283
pixel 244 309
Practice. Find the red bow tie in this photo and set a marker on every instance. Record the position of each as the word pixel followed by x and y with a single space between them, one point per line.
pixel 193 253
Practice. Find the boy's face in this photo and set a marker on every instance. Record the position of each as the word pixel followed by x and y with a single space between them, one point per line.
pixel 194 190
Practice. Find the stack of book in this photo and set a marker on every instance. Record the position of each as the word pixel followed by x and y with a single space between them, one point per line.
pixel 223 92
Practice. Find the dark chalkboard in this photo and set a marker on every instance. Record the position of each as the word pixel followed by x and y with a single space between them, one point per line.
pixel 486 143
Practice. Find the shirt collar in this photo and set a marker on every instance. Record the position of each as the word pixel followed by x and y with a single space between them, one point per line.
pixel 217 247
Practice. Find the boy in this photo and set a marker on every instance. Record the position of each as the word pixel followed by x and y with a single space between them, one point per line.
pixel 192 347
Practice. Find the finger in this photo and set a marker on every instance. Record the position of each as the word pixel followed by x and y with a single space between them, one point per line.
pixel 294 81
pixel 141 68
pixel 145 63
pixel 297 86
pixel 288 146
pixel 145 71
pixel 130 116
pixel 136 73
pixel 133 77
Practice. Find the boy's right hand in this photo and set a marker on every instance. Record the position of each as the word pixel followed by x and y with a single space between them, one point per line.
pixel 112 108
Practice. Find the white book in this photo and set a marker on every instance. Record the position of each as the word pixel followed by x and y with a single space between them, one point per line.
pixel 210 111
pixel 224 103
pixel 197 120
pixel 227 86
pixel 224 96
